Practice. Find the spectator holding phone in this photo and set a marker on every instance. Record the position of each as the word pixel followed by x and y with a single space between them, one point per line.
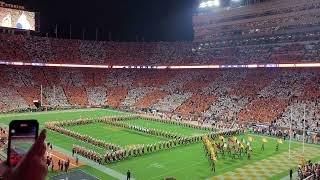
pixel 33 165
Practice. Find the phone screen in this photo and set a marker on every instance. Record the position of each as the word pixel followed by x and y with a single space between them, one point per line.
pixel 22 137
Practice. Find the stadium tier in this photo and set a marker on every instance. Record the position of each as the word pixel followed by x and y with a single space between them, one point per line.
pixel 275 16
pixel 254 95
pixel 287 46
pixel 251 95
pixel 243 118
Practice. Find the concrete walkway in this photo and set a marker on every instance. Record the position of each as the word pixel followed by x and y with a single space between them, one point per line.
pixel 294 176
pixel 95 165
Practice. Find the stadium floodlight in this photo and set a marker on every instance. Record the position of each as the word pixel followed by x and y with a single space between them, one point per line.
pixel 203 5
pixel 216 3
pixel 210 3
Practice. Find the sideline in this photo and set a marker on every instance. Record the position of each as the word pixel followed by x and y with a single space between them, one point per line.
pixel 46 112
pixel 17 114
pixel 64 160
pixel 287 140
pixel 294 175
pixel 95 165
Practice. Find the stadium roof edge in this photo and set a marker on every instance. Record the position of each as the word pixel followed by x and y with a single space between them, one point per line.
pixel 213 66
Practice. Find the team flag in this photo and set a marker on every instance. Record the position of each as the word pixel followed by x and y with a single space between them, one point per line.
pixel 214 156
pixel 264 140
pixel 230 141
pixel 303 161
pixel 218 146
pixel 280 141
pixel 250 139
pixel 237 141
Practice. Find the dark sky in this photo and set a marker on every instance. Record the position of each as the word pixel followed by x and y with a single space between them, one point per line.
pixel 153 20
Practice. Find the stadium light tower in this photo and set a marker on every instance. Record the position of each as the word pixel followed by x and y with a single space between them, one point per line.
pixel 212 3
pixel 203 5
pixel 217 3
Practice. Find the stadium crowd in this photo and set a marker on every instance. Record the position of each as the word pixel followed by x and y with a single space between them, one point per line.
pixel 241 96
pixel 275 100
pixel 271 18
pixel 303 47
pixel 275 34
pixel 3 137
pixel 309 171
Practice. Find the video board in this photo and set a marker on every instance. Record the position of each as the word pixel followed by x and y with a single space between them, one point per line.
pixel 19 19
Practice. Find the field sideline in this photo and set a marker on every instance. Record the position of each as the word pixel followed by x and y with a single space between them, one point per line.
pixel 183 162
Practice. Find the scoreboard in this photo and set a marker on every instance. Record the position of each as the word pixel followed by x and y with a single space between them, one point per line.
pixel 12 16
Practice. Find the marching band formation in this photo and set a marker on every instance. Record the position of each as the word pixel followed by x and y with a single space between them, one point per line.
pixel 115 153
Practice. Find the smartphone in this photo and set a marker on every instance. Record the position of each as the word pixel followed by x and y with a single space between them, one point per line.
pixel 22 135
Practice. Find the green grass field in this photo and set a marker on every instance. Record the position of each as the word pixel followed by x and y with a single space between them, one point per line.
pixel 60 115
pixel 116 135
pixel 183 162
pixel 190 162
pixel 187 131
pixel 22 145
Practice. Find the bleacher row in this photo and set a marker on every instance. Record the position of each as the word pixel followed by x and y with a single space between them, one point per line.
pixel 279 31
pixel 279 48
pixel 253 95
pixel 271 7
pixel 264 19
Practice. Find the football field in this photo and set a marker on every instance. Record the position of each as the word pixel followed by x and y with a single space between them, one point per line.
pixel 173 128
pixel 182 162
pixel 116 135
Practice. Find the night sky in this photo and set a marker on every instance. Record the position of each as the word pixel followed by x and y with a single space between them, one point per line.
pixel 151 20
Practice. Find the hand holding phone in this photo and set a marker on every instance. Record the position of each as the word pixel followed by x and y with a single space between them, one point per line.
pixel 33 165
pixel 22 135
